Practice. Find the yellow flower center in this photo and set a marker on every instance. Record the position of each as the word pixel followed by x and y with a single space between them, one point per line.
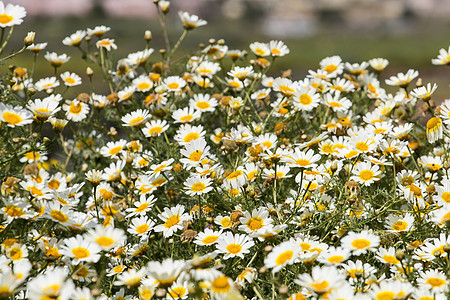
pixel 69 80
pixel 320 286
pixel 334 104
pixel 255 223
pixel 14 211
pixel 198 187
pixel 305 99
pixel 446 197
pixel 172 221
pixel 173 86
pixel 191 136
pixel 75 108
pixel 59 216
pixel 251 175
pixel 142 228
pixel 286 90
pixel 362 146
pixel 136 121
pixel 5 19
pixel 203 105
pixel 436 282
pixel 399 225
pixel 366 175
pixel 283 257
pixel 433 122
pixel 104 241
pixel 196 155
pixel 335 259
pixel 142 207
pixel 53 184
pixel 390 259
pixel 385 295
pixel 115 150
pixel 234 248
pixel 187 118
pixel 234 175
pixel 158 182
pixel 177 292
pixel 143 85
pixel 156 129
pixel 361 243
pixel 210 239
pixel 226 222
pixel 15 254
pixel 12 118
pixel 330 68
pixel 220 285
pixel 80 252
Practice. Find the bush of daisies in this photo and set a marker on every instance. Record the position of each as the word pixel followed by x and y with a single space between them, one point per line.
pixel 208 176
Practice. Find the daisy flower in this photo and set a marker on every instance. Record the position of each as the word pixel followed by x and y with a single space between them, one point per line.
pixel 11 15
pixel 114 171
pixel 166 272
pixel 334 256
pixel 235 179
pixel 366 173
pixel 140 58
pixel 190 21
pixel 197 185
pixel 81 250
pixel 188 133
pixel 71 79
pixel 75 39
pixel 113 149
pixel 322 280
pixel 141 225
pixel 234 245
pixel 186 115
pixel 98 30
pixel 55 59
pixel 173 219
pixel 360 243
pixel 357 68
pixel 337 103
pixel 433 280
pixel 194 152
pixel 136 118
pixel 396 223
pixel 301 159
pixel 241 73
pixel 179 290
pixel 36 48
pixel 387 256
pixel 130 278
pixel 43 109
pixel 431 163
pixel 283 254
pixel 107 44
pixel 378 64
pixel 443 57
pixel 285 86
pixel 75 110
pixel 443 192
pixel 126 93
pixel 207 237
pixel 143 83
pixel 332 65
pixel 161 167
pixel 278 48
pixel 352 268
pixel 434 129
pixel 207 69
pixel 155 128
pixel 424 93
pixel 260 49
pixel 107 238
pixel 141 207
pixel 402 80
pixel 174 83
pixel 258 219
pixel 15 115
pixel 223 221
pixel 46 83
pixel 306 99
pixel 50 285
pixel 203 102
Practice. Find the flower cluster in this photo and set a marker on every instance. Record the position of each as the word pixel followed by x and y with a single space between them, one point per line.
pixel 205 177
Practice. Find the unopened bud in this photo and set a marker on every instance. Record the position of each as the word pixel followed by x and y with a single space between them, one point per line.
pixel 262 270
pixel 221 42
pixel 29 39
pixel 268 248
pixel 283 290
pixel 31 91
pixel 148 35
pixel 447 248
pixel 89 72
pixel 164 5
pixel 399 254
pixel 211 41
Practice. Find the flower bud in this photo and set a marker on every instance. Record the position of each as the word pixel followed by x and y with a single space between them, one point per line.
pixel 29 39
pixel 89 72
pixel 164 5
pixel 148 35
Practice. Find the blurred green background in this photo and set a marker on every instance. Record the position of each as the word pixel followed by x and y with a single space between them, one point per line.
pixel 407 42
